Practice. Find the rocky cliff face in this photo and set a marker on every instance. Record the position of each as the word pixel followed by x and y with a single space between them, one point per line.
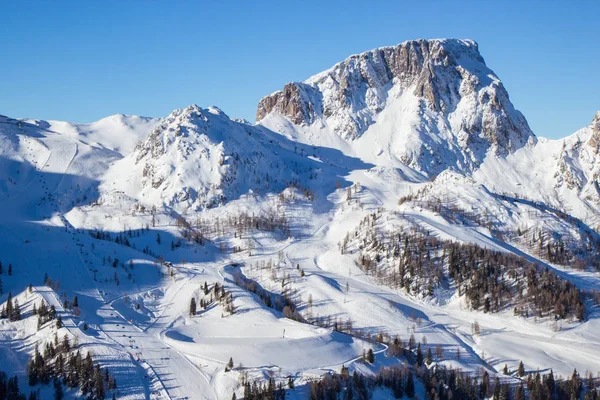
pixel 197 158
pixel 449 77
pixel 578 163
pixel 594 140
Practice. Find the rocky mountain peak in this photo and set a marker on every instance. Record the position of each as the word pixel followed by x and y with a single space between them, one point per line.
pixel 594 140
pixel 447 76
pixel 596 122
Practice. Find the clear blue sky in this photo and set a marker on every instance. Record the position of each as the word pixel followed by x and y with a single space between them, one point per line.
pixel 83 60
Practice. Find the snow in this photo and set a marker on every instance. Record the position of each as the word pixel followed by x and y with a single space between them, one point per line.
pixel 62 183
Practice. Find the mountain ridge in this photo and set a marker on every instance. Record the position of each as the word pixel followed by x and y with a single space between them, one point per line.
pixel 455 96
pixel 195 239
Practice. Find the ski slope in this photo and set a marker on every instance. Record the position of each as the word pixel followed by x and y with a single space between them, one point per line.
pixel 135 215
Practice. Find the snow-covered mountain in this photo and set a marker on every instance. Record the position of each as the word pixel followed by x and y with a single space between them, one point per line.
pixel 197 158
pixel 431 104
pixel 396 199
pixel 578 161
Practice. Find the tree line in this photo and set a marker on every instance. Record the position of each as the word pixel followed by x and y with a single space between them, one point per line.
pixel 419 263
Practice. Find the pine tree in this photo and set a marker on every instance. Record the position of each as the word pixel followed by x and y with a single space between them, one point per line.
pixel 549 382
pixel 99 383
pixel 519 393
pixel 419 355
pixel 12 389
pixel 58 390
pixel 504 392
pixel 192 307
pixel 484 386
pixel 575 385
pixel 230 363
pixel 59 365
pixel 9 305
pixel 52 313
pixel 59 322
pixel 428 356
pixel 370 356
pixel 66 345
pixel 410 386
pixel 15 314
pixel 32 372
pixel 10 270
pixel 411 342
pixel 497 388
pixel 521 370
pixel 86 374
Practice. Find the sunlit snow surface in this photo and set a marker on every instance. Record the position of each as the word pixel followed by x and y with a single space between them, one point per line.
pixel 61 182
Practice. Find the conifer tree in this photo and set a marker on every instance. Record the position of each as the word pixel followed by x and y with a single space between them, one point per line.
pixel 58 390
pixel 484 387
pixel 519 393
pixel 192 307
pixel 428 356
pixel 9 305
pixel 497 388
pixel 66 344
pixel 99 383
pixel 12 389
pixel 410 386
pixel 370 356
pixel 15 314
pixel 521 370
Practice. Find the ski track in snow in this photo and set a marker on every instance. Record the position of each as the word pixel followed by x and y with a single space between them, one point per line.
pixel 137 316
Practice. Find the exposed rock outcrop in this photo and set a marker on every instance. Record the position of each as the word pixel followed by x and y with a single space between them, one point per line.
pixel 448 76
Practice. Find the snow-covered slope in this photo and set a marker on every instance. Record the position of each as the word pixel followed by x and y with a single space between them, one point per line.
pixel 430 104
pixel 48 166
pixel 118 132
pixel 197 158
pixel 426 106
pixel 333 226
pixel 562 173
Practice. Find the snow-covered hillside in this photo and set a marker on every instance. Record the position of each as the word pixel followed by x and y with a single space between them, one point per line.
pixel 428 104
pixel 394 213
pixel 197 158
